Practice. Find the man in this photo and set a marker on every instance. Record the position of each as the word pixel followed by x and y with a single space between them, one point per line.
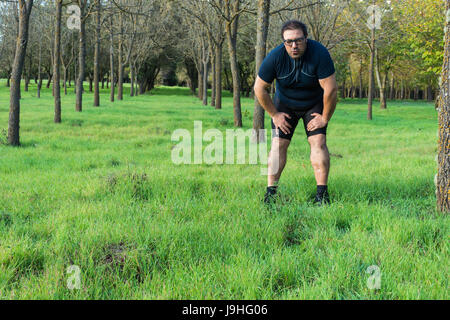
pixel 305 89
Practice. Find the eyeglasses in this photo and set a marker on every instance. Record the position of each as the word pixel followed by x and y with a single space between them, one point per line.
pixel 297 41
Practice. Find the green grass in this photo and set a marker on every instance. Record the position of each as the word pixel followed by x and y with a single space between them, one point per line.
pixel 100 191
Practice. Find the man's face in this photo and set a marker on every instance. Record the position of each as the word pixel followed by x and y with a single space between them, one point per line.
pixel 295 50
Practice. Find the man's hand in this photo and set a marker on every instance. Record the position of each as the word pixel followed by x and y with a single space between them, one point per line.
pixel 316 123
pixel 280 122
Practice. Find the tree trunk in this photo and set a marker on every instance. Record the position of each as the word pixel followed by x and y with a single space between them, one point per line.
pixel 90 82
pixel 227 80
pixel 391 86
pixel 213 85
pixel 218 75
pixel 120 59
pixel 111 58
pixel 231 29
pixel 200 82
pixel 25 7
pixel 81 58
pixel 27 72
pixel 39 84
pixel 136 71
pixel 49 79
pixel 262 27
pixel 381 82
pixel 360 80
pixel 351 93
pixel 383 104
pixel 65 81
pixel 57 62
pixel 97 55
pixel 27 81
pixel 442 178
pixel 132 80
pixel 371 69
pixel 205 82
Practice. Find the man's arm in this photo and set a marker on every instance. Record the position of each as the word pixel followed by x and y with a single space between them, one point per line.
pixel 329 87
pixel 266 102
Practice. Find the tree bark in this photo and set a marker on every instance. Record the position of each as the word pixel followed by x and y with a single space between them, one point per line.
pixel 111 59
pixel 360 80
pixel 39 85
pixel 49 79
pixel 231 29
pixel 443 174
pixel 119 56
pixel 381 82
pixel 213 84
pixel 200 81
pixel 81 58
pixel 25 7
pixel 132 80
pixel 262 27
pixel 371 68
pixel 218 75
pixel 205 82
pixel 57 62
pixel 97 55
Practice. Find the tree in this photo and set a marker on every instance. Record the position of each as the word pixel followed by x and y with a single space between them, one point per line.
pixel 25 7
pixel 97 54
pixel 82 4
pixel 57 62
pixel 365 17
pixel 230 10
pixel 262 27
pixel 442 178
pixel 420 22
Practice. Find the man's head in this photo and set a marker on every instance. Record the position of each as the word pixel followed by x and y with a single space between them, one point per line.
pixel 294 34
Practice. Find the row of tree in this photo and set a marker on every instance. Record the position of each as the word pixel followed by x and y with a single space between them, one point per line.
pixel 395 46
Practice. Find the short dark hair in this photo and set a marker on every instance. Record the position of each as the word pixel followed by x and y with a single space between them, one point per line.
pixel 294 25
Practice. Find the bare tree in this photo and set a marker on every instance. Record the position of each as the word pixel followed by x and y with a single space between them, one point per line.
pixel 262 27
pixel 25 7
pixel 57 62
pixel 81 55
pixel 97 54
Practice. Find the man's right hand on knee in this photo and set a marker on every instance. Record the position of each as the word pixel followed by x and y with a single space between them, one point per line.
pixel 280 122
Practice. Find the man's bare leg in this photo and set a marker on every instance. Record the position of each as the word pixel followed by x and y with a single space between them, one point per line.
pixel 320 161
pixel 277 160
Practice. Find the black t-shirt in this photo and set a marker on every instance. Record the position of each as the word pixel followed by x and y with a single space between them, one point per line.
pixel 297 84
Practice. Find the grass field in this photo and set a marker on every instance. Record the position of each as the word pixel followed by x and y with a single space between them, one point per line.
pixel 100 191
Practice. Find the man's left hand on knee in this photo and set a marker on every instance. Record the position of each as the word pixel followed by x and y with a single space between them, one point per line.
pixel 317 122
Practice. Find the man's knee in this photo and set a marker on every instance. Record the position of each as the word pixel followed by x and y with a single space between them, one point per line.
pixel 317 142
pixel 280 145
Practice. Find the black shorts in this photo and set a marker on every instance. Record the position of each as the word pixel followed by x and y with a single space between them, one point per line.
pixel 295 117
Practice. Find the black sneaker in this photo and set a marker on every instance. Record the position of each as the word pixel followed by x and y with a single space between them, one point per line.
pixel 323 199
pixel 270 195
